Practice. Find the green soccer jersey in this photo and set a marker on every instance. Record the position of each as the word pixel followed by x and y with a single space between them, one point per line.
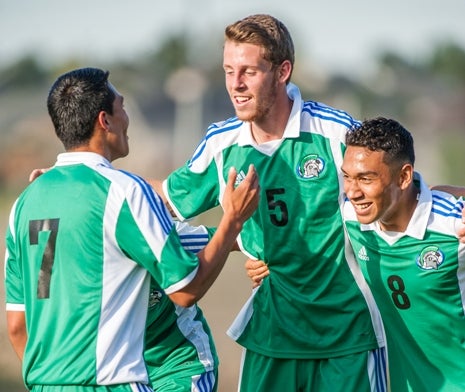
pixel 311 305
pixel 178 340
pixel 80 241
pixel 418 280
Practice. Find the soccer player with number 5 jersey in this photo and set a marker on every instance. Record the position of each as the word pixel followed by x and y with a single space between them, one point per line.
pixel 313 325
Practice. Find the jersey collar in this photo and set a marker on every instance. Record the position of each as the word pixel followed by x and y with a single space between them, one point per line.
pixel 292 129
pixel 73 158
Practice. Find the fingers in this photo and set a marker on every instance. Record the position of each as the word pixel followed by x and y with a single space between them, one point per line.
pixel 232 174
pixel 251 264
pixel 36 173
pixel 241 201
pixel 257 279
pixel 257 270
pixel 252 177
pixel 461 235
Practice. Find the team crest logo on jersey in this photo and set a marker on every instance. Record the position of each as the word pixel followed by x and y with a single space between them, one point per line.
pixel 430 258
pixel 155 297
pixel 310 166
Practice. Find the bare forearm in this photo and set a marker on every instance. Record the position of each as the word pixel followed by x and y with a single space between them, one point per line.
pixel 457 191
pixel 238 204
pixel 19 343
pixel 17 333
pixel 157 186
pixel 212 259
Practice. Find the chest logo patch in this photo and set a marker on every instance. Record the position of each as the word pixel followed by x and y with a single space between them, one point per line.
pixel 155 297
pixel 310 166
pixel 362 254
pixel 239 178
pixel 430 258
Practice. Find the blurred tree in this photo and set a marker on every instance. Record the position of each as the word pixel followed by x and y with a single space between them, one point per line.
pixel 172 55
pixel 448 60
pixel 26 72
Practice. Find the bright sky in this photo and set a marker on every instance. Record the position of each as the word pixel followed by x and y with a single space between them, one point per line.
pixel 338 35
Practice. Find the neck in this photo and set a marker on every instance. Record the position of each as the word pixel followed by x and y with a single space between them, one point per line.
pixel 405 208
pixel 272 126
pixel 97 144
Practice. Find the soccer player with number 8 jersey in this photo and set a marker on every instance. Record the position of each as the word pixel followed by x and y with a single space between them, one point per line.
pixel 405 240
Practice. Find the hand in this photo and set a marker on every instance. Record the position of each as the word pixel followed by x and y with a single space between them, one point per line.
pixel 461 235
pixel 461 230
pixel 238 204
pixel 256 270
pixel 241 202
pixel 36 173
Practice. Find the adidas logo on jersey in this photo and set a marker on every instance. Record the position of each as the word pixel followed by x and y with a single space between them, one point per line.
pixel 362 254
pixel 240 177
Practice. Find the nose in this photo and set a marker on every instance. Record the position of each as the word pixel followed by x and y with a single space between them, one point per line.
pixel 237 81
pixel 351 188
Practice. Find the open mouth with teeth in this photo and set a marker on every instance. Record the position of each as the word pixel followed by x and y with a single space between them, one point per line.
pixel 361 207
pixel 241 99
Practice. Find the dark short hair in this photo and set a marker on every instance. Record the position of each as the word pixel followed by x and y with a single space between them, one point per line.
pixel 265 31
pixel 383 134
pixel 75 101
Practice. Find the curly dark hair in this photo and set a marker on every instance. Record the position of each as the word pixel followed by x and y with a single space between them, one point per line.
pixel 383 134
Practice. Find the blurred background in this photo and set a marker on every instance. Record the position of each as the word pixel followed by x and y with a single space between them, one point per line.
pixel 399 59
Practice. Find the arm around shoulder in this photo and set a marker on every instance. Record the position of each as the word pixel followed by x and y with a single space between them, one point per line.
pixel 455 190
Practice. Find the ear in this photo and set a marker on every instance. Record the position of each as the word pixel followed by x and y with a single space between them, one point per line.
pixel 102 120
pixel 406 176
pixel 285 70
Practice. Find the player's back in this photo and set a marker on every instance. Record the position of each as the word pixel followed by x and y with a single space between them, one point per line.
pixel 77 281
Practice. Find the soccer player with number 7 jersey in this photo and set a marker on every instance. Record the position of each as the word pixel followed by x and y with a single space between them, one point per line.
pixel 83 242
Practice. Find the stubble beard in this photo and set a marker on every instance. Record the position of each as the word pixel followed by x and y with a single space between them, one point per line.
pixel 262 107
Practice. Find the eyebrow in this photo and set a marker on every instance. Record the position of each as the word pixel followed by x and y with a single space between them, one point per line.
pixel 365 173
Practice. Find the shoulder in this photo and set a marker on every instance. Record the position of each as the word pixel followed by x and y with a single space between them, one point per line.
pixel 119 178
pixel 446 213
pixel 445 204
pixel 322 112
pixel 223 132
pixel 218 137
pixel 227 125
pixel 133 182
pixel 129 186
pixel 318 117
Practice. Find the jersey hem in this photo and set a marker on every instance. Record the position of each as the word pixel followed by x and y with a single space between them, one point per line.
pixel 310 355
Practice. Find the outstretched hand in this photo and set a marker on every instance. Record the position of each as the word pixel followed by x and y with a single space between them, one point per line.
pixel 241 202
